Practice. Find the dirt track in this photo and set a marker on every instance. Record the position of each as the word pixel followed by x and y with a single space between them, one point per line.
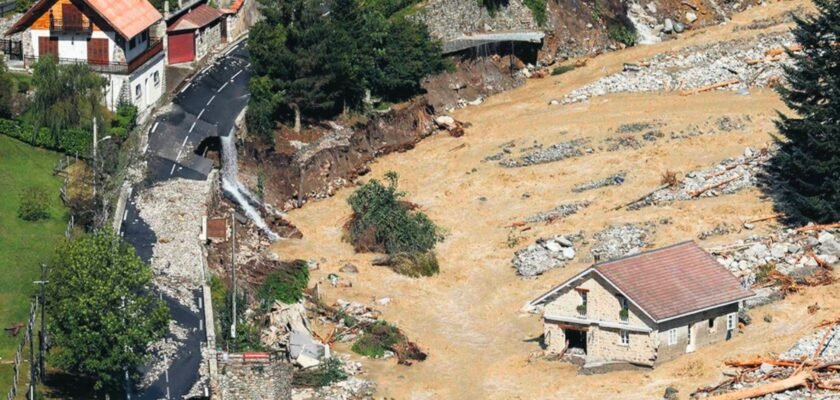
pixel 468 316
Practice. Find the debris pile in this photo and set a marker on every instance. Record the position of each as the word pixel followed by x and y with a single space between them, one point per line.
pixel 794 253
pixel 555 152
pixel 545 254
pixel 612 180
pixel 733 64
pixel 351 388
pixel 806 370
pixel 728 177
pixel 621 240
pixel 719 230
pixel 559 212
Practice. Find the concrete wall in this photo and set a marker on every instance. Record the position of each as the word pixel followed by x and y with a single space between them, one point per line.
pixel 702 334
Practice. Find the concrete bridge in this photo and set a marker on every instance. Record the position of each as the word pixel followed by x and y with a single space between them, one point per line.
pixel 473 40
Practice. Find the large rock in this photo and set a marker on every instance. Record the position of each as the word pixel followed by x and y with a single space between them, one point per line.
pixel 669 26
pixel 690 17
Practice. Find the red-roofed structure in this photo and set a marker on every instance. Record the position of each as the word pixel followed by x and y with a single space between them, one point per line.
pixel 644 308
pixel 194 30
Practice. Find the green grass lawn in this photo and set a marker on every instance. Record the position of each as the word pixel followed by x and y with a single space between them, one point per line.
pixel 23 245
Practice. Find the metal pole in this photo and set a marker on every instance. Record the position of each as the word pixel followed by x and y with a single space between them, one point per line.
pixel 94 157
pixel 233 272
pixel 42 363
pixel 31 361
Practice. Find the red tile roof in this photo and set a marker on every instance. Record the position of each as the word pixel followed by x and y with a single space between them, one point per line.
pixel 673 281
pixel 198 17
pixel 126 17
pixel 668 282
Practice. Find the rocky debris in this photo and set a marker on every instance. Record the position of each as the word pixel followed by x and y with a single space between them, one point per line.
pixel 763 23
pixel 719 230
pixel 730 176
pixel 623 143
pixel 612 180
pixel 621 240
pixel 695 67
pixel 787 251
pixel 807 346
pixel 637 127
pixel 559 212
pixel 724 124
pixel 545 255
pixel 174 211
pixel 555 152
pixel 254 380
pixel 164 351
pixel 353 387
pixel 280 321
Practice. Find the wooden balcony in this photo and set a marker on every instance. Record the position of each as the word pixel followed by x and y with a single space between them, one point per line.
pixel 58 25
pixel 155 48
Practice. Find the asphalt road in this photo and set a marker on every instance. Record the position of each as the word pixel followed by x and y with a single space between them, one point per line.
pixel 207 106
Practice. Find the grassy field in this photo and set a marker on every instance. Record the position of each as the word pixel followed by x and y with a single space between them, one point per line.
pixel 23 245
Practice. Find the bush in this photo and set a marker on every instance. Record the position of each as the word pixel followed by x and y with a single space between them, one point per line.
pixel 416 264
pixel 538 9
pixel 329 372
pixel 562 69
pixel 124 120
pixel 381 222
pixel 71 141
pixel 621 32
pixel 286 284
pixel 377 338
pixel 34 204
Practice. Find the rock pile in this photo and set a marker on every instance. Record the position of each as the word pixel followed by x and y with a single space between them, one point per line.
pixel 621 240
pixel 695 67
pixel 718 230
pixel 612 180
pixel 559 212
pixel 728 177
pixel 545 255
pixel 787 251
pixel 555 152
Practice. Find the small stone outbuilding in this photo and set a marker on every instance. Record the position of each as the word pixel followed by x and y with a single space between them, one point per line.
pixel 642 309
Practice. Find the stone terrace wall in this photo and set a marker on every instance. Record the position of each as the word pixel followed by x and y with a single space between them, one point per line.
pixel 448 19
pixel 247 380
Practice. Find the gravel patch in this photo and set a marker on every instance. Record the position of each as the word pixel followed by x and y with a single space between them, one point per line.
pixel 621 240
pixel 546 254
pixel 559 212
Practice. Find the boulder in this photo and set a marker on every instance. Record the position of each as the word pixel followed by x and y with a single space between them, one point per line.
pixel 553 246
pixel 825 237
pixel 651 7
pixel 678 27
pixel 690 17
pixel 568 253
pixel 445 121
pixel 668 26
pixel 563 241
pixel 349 268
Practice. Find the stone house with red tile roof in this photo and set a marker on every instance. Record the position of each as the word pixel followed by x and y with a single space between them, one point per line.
pixel 643 309
pixel 113 37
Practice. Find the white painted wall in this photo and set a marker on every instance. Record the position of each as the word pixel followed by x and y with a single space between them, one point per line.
pixel 139 47
pixel 74 46
pixel 144 77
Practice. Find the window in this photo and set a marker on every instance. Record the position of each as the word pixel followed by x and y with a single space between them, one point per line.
pixel 583 301
pixel 132 43
pixel 624 337
pixel 624 313
pixel 711 324
pixel 672 337
pixel 144 36
pixel 730 322
pixel 156 77
pixel 138 91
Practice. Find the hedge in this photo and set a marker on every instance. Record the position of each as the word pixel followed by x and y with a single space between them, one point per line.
pixel 70 141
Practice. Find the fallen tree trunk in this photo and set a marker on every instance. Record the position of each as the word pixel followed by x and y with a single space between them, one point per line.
pixel 715 186
pixel 795 381
pixel 781 50
pixel 709 87
pixel 642 198
pixel 808 228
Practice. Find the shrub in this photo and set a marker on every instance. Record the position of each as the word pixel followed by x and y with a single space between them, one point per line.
pixel 377 338
pixel 329 372
pixel 381 222
pixel 538 9
pixel 562 69
pixel 669 178
pixel 416 264
pixel 34 204
pixel 621 32
pixel 285 284
pixel 124 120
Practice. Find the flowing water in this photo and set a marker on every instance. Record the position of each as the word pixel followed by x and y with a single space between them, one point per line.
pixel 232 186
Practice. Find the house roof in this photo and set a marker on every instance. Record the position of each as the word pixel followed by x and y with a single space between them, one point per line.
pixel 127 17
pixel 198 17
pixel 667 283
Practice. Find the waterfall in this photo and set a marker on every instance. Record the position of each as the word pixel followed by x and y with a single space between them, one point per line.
pixel 645 34
pixel 232 186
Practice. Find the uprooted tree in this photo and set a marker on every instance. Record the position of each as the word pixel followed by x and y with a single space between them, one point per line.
pixel 383 222
pixel 808 162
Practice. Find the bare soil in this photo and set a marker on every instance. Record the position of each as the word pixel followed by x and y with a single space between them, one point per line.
pixel 468 317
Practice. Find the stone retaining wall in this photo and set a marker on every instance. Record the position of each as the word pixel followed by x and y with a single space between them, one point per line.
pixel 448 19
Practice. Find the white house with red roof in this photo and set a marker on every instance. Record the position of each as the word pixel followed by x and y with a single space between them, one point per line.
pixel 113 37
pixel 642 309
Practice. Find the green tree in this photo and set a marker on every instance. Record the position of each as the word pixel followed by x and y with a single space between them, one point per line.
pixel 8 91
pixel 102 311
pixel 808 163
pixel 67 97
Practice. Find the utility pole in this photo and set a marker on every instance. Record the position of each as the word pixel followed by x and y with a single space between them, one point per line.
pixel 95 143
pixel 233 272
pixel 31 361
pixel 42 336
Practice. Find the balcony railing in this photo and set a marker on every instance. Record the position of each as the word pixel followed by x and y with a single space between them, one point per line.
pixel 58 25
pixel 155 48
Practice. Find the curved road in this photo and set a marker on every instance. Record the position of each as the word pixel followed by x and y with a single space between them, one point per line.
pixel 207 106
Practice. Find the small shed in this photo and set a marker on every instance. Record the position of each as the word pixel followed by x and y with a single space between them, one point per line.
pixel 194 33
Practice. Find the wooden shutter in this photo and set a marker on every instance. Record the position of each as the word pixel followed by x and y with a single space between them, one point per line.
pixel 98 52
pixel 71 16
pixel 48 46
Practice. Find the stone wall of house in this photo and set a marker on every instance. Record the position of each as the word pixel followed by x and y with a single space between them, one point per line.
pixel 208 38
pixel 602 304
pixel 448 19
pixel 554 337
pixel 257 381
pixel 604 345
pixel 702 334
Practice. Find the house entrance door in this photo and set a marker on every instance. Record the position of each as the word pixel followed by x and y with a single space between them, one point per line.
pixel 691 339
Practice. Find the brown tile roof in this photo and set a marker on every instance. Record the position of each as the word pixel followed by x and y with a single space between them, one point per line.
pixel 196 18
pixel 127 17
pixel 673 281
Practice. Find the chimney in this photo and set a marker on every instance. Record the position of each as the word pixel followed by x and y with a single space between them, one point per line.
pixel 166 9
pixel 180 5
